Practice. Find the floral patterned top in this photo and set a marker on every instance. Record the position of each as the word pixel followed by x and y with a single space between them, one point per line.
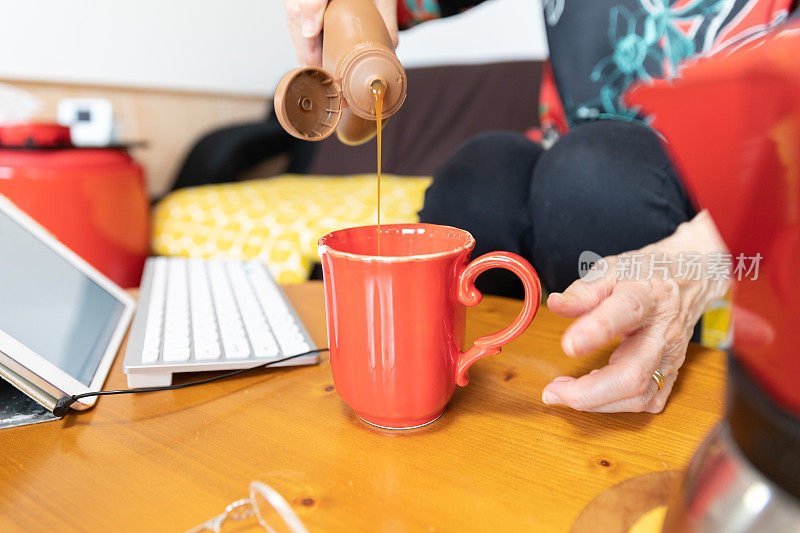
pixel 598 48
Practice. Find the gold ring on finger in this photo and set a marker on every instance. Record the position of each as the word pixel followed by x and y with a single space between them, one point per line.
pixel 658 377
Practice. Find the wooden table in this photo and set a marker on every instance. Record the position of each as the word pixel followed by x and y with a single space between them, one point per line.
pixel 497 460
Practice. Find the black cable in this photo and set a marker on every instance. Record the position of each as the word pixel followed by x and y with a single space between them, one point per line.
pixel 64 402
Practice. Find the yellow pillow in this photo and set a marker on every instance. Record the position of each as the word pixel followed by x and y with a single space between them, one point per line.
pixel 279 219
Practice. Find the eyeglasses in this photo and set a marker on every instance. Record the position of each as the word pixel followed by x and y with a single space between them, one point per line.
pixel 262 499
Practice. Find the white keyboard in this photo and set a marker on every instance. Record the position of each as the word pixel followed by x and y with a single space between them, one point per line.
pixel 210 314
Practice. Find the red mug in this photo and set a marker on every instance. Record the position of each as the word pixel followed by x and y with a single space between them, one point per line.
pixel 396 320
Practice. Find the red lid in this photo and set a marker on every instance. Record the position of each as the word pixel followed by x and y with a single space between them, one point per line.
pixel 34 135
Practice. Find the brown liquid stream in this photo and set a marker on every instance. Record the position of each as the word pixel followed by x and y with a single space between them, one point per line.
pixel 378 89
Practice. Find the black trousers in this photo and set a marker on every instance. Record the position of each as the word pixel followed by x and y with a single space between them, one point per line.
pixel 606 186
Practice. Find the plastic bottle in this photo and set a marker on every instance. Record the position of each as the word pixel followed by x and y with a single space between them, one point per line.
pixel 312 102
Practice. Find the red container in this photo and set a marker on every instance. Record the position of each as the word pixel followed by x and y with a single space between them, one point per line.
pixel 92 199
pixel 396 317
pixel 732 123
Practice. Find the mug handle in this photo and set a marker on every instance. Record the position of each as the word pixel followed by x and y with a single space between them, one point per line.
pixel 470 296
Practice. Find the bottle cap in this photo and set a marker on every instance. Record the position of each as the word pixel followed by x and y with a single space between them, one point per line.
pixel 308 104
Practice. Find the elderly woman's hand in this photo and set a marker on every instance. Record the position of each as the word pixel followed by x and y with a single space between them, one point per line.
pixel 305 25
pixel 654 313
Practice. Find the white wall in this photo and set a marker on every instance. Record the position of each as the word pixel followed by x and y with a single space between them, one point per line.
pixel 234 46
pixel 491 31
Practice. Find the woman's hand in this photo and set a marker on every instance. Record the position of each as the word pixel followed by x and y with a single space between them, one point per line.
pixel 305 25
pixel 654 313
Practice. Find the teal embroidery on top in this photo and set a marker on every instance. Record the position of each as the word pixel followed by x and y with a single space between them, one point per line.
pixel 423 10
pixel 630 51
pixel 431 6
pixel 645 44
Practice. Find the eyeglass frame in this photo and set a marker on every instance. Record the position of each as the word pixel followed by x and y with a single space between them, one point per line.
pixel 248 507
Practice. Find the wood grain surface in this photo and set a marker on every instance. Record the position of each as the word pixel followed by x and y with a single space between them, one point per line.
pixel 497 460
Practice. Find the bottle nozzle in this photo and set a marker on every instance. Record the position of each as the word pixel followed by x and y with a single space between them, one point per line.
pixel 378 86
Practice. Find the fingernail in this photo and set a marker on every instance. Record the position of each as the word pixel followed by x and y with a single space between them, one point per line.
pixel 562 378
pixel 550 399
pixel 561 295
pixel 308 27
pixel 569 346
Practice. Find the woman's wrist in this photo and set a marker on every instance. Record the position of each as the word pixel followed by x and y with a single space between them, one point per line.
pixel 699 236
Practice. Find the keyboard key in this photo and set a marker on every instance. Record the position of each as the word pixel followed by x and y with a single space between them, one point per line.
pixel 150 355
pixel 177 354
pixel 294 347
pixel 265 347
pixel 236 349
pixel 176 344
pixel 209 352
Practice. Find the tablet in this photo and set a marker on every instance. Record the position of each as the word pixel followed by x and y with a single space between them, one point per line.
pixel 61 321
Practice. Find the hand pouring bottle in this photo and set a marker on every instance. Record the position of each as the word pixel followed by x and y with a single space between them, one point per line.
pixel 357 52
